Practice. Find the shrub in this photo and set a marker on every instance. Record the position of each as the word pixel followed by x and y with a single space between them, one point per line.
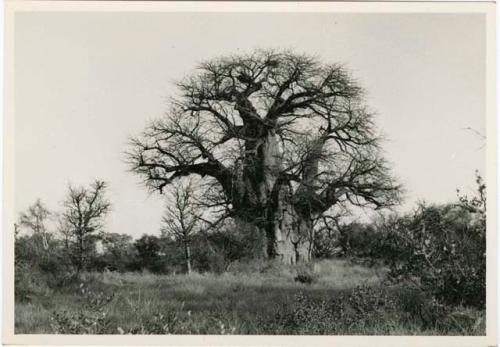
pixel 305 274
pixel 372 243
pixel 373 310
pixel 155 254
pixel 119 254
pixel 343 314
pixel 304 278
pixel 327 244
pixel 38 270
pixel 445 250
pixel 28 282
pixel 305 316
pixel 421 307
pixel 93 318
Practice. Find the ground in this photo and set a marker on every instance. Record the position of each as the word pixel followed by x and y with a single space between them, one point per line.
pixel 343 298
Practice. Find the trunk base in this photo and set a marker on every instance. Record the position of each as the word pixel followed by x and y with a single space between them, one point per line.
pixel 290 253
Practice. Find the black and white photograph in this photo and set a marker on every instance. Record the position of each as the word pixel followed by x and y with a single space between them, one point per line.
pixel 216 169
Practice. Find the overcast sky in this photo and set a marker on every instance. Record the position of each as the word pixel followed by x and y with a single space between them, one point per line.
pixel 86 81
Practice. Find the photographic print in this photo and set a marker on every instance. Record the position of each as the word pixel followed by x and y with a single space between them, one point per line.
pixel 278 170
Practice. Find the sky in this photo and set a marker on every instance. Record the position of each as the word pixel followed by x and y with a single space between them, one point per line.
pixel 84 82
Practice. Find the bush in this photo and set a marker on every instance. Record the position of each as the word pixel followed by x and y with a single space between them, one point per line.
pixel 304 278
pixel 39 270
pixel 93 318
pixel 346 313
pixel 327 244
pixel 371 242
pixel 439 248
pixel 421 307
pixel 431 313
pixel 373 310
pixel 223 248
pixel 445 250
pixel 29 282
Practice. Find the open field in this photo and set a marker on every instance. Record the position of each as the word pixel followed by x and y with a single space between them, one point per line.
pixel 344 298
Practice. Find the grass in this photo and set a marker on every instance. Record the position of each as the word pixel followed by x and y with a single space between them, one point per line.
pixel 344 298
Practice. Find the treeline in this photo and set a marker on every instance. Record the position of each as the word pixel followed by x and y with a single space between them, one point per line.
pixel 53 248
pixel 213 252
pixel 44 262
pixel 440 249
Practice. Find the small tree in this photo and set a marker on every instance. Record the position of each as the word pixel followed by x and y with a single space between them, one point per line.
pixel 85 210
pixel 182 218
pixel 35 219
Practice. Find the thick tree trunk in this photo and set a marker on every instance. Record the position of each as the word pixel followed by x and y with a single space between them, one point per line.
pixel 283 239
pixel 267 206
pixel 290 240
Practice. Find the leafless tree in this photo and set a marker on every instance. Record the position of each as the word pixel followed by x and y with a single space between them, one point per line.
pixel 64 230
pixel 279 139
pixel 182 218
pixel 35 219
pixel 85 209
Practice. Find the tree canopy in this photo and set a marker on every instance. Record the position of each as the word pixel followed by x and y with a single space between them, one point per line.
pixel 252 124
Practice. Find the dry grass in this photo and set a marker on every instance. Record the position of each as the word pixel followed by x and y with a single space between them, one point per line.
pixel 258 300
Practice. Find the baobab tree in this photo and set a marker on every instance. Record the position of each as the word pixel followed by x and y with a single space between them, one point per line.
pixel 82 219
pixel 278 138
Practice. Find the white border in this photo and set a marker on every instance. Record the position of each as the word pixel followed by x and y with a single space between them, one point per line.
pixel 11 7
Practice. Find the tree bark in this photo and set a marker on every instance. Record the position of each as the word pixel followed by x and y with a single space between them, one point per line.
pixel 267 205
pixel 290 241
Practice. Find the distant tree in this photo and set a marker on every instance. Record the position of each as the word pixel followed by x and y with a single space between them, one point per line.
pixel 182 218
pixel 149 247
pixel 85 209
pixel 279 139
pixel 118 251
pixel 35 219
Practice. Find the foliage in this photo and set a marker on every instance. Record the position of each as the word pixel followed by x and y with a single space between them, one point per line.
pixel 28 283
pixel 346 312
pixel 304 278
pixel 92 319
pixel 326 245
pixel 118 254
pixel 360 310
pixel 226 245
pixel 440 249
pixel 372 241
pixel 37 269
pixel 148 248
pixel 445 250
